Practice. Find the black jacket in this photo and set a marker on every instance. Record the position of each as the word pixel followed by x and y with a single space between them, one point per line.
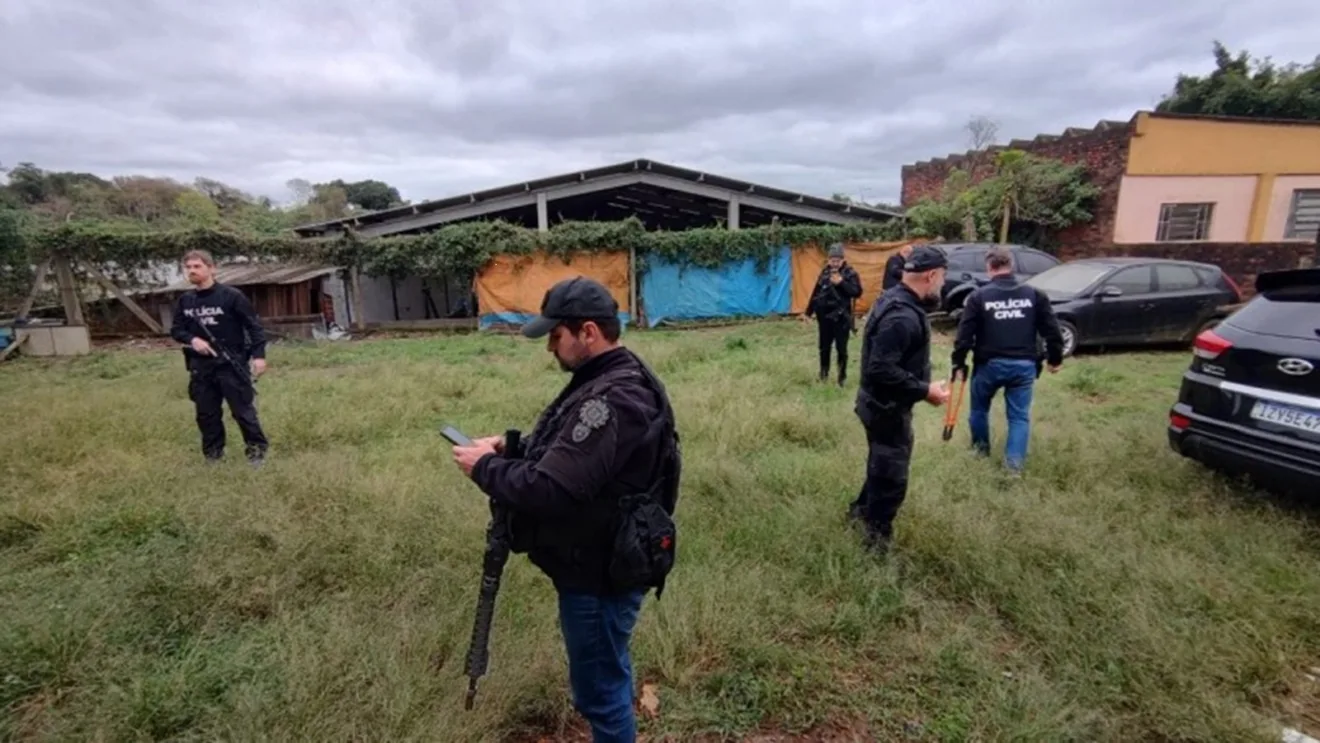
pixel 229 318
pixel 835 302
pixel 1003 319
pixel 893 271
pixel 598 441
pixel 895 355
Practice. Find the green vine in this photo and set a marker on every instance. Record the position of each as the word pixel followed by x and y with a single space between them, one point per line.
pixel 463 248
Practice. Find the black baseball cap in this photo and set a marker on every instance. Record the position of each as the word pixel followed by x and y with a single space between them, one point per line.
pixel 578 298
pixel 925 258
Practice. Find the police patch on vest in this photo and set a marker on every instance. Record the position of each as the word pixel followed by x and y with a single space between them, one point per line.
pixel 593 414
pixel 1008 309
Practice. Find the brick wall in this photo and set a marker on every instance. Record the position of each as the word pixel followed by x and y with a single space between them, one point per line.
pixel 1103 150
pixel 1242 261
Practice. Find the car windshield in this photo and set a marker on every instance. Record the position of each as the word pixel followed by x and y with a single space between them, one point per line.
pixel 1068 279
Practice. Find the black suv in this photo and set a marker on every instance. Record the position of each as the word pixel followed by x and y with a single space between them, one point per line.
pixel 1250 400
pixel 967 269
pixel 1135 301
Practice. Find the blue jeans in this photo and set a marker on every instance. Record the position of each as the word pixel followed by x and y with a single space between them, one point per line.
pixel 1016 377
pixel 597 630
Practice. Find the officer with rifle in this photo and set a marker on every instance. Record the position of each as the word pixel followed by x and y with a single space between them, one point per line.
pixel 896 376
pixel 589 497
pixel 1000 324
pixel 837 287
pixel 222 336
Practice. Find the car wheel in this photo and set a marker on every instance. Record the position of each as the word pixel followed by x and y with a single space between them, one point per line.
pixel 1069 332
pixel 957 304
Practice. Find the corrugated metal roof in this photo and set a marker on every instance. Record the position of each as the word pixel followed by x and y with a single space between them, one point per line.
pixel 248 274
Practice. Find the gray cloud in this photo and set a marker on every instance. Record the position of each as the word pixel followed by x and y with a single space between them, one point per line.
pixel 444 97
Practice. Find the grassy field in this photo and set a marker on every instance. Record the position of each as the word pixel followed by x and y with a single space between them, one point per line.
pixel 1116 593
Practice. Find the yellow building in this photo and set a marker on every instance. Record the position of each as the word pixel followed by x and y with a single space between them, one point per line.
pixel 1192 178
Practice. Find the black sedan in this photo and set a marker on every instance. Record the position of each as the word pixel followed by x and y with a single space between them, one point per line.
pixel 1135 301
pixel 1249 402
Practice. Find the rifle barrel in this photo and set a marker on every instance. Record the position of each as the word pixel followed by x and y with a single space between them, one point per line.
pixel 497 554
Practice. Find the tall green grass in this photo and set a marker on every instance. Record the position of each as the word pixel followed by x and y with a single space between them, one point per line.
pixel 1117 593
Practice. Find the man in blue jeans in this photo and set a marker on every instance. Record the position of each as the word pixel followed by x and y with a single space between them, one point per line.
pixel 608 437
pixel 1000 324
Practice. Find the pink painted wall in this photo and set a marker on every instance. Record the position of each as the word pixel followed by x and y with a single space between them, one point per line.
pixel 1281 202
pixel 1140 197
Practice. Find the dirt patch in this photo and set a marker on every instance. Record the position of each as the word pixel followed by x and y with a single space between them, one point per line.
pixel 1298 705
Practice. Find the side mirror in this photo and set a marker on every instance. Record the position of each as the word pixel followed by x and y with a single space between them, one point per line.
pixel 1110 292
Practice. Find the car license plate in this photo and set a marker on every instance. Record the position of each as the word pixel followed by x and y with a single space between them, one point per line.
pixel 1302 420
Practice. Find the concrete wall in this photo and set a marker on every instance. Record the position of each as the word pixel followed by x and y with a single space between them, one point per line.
pixel 378 300
pixel 1271 151
pixel 1164 145
pixel 1140 198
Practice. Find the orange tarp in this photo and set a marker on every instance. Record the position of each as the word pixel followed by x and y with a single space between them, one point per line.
pixel 868 259
pixel 514 286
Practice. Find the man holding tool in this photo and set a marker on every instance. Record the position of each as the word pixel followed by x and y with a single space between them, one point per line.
pixel 832 305
pixel 591 494
pixel 1000 324
pixel 896 376
pixel 221 335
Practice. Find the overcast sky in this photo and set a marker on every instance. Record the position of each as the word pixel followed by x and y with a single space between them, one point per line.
pixel 439 97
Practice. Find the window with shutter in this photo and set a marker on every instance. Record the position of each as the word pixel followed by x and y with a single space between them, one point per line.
pixel 1180 222
pixel 1304 215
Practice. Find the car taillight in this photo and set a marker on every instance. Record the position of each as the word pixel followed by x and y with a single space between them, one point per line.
pixel 1209 345
pixel 1179 422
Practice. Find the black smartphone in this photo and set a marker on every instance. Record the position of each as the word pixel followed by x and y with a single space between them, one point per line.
pixel 455 436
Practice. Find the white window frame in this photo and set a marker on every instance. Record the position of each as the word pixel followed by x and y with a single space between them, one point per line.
pixel 1203 220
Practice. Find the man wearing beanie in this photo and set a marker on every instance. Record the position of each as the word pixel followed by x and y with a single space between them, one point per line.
pixel 832 305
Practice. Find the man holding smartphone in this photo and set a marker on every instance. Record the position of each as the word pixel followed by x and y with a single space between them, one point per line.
pixel 607 440
pixel 832 305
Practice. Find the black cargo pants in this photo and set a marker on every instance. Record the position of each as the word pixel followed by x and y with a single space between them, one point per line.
pixel 210 385
pixel 832 334
pixel 888 458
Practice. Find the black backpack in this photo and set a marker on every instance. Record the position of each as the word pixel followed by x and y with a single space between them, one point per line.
pixel 645 537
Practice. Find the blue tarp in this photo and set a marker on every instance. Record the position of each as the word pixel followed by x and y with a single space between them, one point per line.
pixel 674 292
pixel 518 318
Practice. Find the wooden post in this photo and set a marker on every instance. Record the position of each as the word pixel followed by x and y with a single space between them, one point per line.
pixel 42 270
pixel 133 307
pixel 13 347
pixel 73 314
pixel 359 316
pixel 632 288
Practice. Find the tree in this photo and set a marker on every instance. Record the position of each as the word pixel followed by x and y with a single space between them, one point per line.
pixel 1028 197
pixel 1242 86
pixel 370 194
pixel 144 199
pixel 196 210
pixel 982 132
pixel 227 198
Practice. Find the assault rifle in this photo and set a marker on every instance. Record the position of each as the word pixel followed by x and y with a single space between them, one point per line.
pixel 492 569
pixel 243 373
